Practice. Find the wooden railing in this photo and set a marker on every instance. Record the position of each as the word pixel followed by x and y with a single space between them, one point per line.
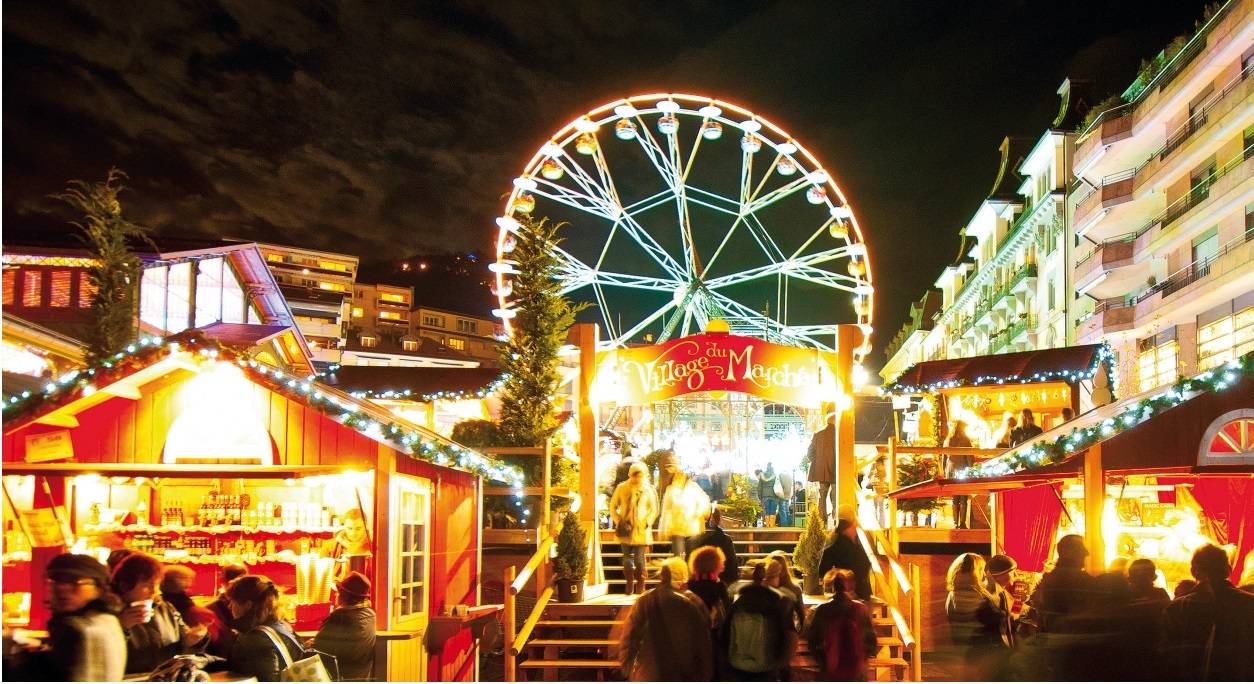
pixel 515 641
pixel 893 587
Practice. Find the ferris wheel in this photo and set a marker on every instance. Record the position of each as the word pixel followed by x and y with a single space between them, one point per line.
pixel 685 209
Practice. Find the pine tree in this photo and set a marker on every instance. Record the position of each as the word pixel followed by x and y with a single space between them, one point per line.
pixel 543 319
pixel 114 275
pixel 571 559
pixel 809 549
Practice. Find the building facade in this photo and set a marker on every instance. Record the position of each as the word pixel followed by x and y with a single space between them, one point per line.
pixel 319 287
pixel 473 336
pixel 381 332
pixel 1007 290
pixel 1163 210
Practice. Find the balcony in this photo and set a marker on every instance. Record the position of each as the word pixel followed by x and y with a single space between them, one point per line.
pixel 392 304
pixel 1024 279
pixel 1234 256
pixel 1115 190
pixel 1112 126
pixel 1111 269
pixel 319 329
pixel 1109 316
pixel 400 322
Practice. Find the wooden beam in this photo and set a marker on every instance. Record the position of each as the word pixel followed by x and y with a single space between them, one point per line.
pixel 123 390
pixel 1094 507
pixel 57 420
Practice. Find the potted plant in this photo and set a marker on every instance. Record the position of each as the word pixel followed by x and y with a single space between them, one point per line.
pixel 912 472
pixel 809 551
pixel 570 566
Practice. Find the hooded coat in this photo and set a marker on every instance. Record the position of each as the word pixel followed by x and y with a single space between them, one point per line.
pixel 639 505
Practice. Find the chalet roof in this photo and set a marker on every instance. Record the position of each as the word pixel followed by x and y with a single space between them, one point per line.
pixel 377 380
pixel 1042 365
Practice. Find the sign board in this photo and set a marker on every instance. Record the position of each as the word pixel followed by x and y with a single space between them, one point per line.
pixel 714 362
pixel 43 526
pixel 49 446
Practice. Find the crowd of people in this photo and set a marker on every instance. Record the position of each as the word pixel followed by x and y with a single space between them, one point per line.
pixel 134 615
pixel 1116 625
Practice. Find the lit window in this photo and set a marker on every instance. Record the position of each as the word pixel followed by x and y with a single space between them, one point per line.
pixel 86 290
pixel 179 293
pixel 390 315
pixel 357 312
pixel 10 285
pixel 1225 339
pixel 433 321
pixel 208 292
pixel 152 297
pixel 332 266
pixel 274 257
pixel 391 297
pixel 410 345
pixel 455 343
pixel 334 287
pixel 32 288
pixel 59 290
pixel 367 341
pixel 1156 366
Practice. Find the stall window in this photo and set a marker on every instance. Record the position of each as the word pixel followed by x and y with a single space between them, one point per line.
pixel 232 296
pixel 411 562
pixel 1157 365
pixel 208 291
pixel 152 290
pixel 179 297
pixel 10 285
pixel 1221 341
pixel 60 283
pixel 32 288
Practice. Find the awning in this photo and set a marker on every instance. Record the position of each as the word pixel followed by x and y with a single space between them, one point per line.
pixel 1045 365
pixel 952 487
pixel 185 470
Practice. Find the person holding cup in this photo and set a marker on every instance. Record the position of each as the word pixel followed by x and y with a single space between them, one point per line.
pixel 155 631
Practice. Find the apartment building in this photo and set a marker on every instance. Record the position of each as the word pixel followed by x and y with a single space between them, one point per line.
pixel 1007 290
pixel 1163 210
pixel 380 332
pixel 473 336
pixel 318 287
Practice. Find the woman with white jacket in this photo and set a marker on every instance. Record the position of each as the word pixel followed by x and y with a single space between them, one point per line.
pixel 633 508
pixel 684 510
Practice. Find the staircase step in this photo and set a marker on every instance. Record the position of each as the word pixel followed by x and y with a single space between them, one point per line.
pixel 807 662
pixel 571 664
pixel 579 623
pixel 573 643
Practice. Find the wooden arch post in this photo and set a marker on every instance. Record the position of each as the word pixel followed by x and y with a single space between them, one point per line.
pixel 584 336
pixel 848 338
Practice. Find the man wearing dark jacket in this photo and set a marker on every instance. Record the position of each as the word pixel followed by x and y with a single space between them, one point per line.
pixel 348 633
pixel 756 598
pixel 1208 634
pixel 715 536
pixel 845 552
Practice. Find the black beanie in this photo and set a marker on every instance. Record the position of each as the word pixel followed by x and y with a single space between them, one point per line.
pixel 78 565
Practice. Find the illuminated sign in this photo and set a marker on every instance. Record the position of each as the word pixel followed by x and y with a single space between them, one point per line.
pixel 717 362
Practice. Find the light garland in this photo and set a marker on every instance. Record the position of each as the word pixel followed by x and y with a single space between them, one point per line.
pixel 81 383
pixel 1104 354
pixel 450 395
pixel 1079 439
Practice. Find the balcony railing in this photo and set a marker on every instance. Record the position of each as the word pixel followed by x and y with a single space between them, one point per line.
pixel 392 303
pixel 1193 272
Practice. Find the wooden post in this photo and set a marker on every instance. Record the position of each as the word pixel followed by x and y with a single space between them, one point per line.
pixel 546 508
pixel 507 639
pixel 585 337
pixel 916 624
pixel 1094 506
pixel 894 538
pixel 994 524
pixel 848 337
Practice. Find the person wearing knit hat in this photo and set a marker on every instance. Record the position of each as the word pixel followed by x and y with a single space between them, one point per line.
pixel 844 551
pixel 348 633
pixel 85 639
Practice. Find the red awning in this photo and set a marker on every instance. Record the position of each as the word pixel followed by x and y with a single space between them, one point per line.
pixel 1045 365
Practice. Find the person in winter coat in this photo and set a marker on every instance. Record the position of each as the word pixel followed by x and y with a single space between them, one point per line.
pixel 254 602
pixel 715 536
pixel 759 632
pixel 1208 634
pixel 348 633
pixel 822 457
pixel 175 583
pixel 706 565
pixel 155 630
pixel 667 635
pixel 1067 591
pixel 779 577
pixel 221 646
pixel 975 618
pixel 955 463
pixel 684 507
pixel 633 508
pixel 85 641
pixel 840 633
pixel 844 551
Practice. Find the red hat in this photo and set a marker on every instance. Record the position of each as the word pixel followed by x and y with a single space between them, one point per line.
pixel 355 585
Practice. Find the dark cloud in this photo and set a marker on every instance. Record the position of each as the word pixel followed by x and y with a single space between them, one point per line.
pixel 394 128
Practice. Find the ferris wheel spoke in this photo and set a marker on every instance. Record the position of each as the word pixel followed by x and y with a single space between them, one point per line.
pixel 813 236
pixel 681 202
pixel 824 256
pixel 572 198
pixel 657 199
pixel 763 236
pixel 826 278
pixel 604 308
pixel 782 192
pixel 645 322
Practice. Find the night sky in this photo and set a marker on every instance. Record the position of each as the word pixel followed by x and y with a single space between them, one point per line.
pixel 392 129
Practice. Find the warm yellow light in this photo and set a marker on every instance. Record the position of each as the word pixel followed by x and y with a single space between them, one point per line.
pixel 218 420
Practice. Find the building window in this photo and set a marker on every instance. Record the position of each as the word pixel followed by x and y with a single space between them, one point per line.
pixel 334 287
pixel 357 312
pixel 208 292
pixel 86 291
pixel 390 315
pixel 178 297
pixel 433 321
pixel 10 285
pixel 466 326
pixel 1221 341
pixel 59 290
pixel 369 341
pixel 456 343
pixel 392 297
pixel 332 266
pixel 275 258
pixel 1156 365
pixel 410 345
pixel 32 288
pixel 1206 246
pixel 1247 142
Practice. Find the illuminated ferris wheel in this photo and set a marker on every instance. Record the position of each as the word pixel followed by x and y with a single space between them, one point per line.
pixel 684 209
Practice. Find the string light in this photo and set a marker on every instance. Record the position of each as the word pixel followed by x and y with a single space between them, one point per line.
pixel 1080 439
pixel 149 350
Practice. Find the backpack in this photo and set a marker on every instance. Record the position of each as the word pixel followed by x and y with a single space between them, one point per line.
pixel 752 647
pixel 844 655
